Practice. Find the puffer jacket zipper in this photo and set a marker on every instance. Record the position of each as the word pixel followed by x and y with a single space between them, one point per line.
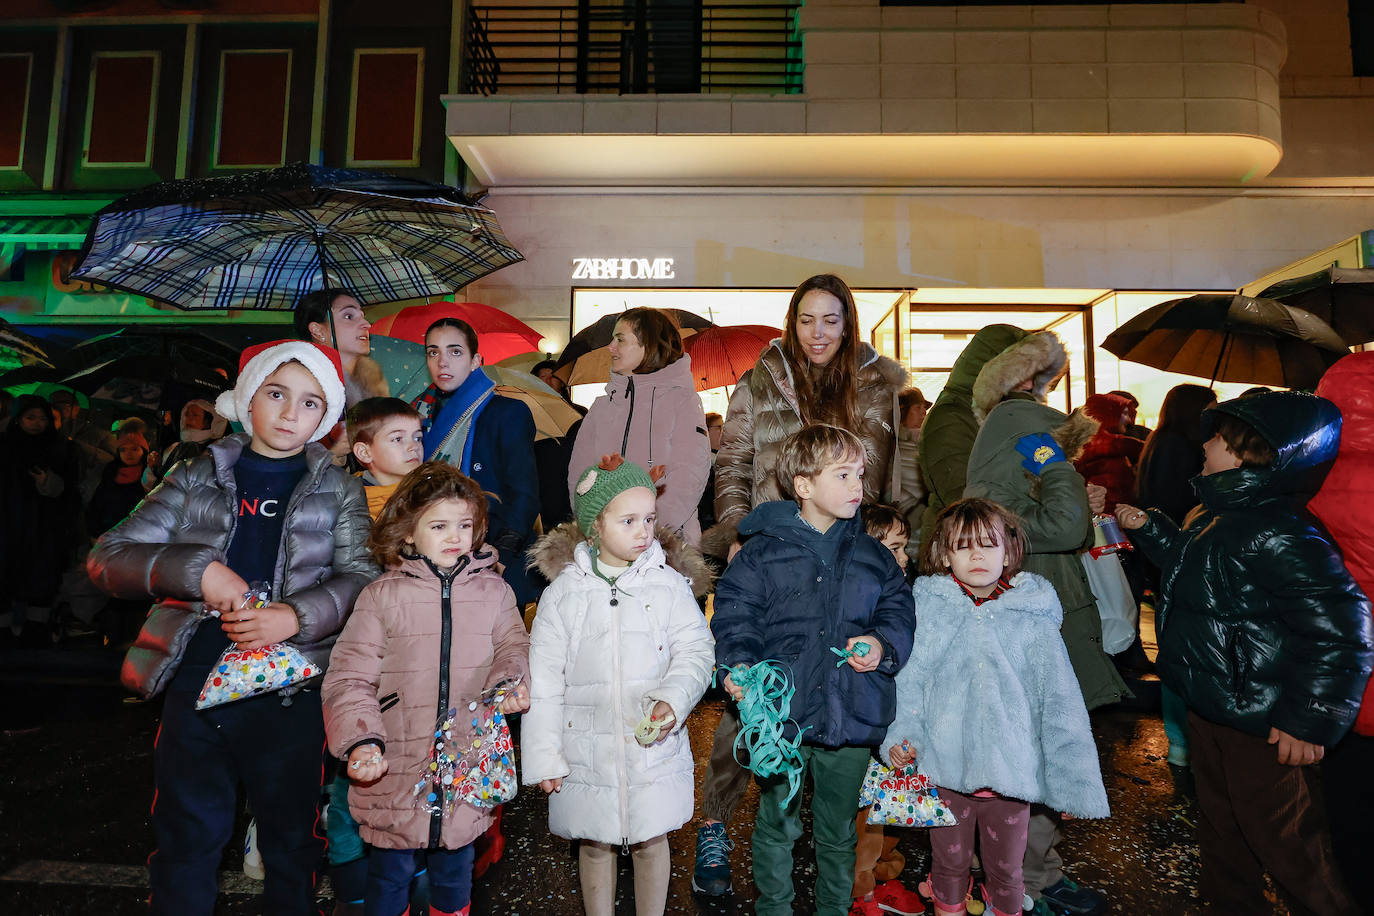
pixel 436 820
pixel 629 414
pixel 621 770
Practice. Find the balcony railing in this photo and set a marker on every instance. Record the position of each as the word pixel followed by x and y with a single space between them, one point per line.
pixel 636 46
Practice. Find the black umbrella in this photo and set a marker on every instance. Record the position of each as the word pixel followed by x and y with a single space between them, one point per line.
pixel 585 359
pixel 1230 338
pixel 26 348
pixel 262 240
pixel 150 382
pixel 156 342
pixel 1343 297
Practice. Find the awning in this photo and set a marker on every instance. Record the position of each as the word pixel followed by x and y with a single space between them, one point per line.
pixel 44 233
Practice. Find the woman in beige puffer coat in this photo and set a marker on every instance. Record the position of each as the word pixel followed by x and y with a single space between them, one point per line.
pixel 806 376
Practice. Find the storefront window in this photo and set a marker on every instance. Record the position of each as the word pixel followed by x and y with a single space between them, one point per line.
pixel 926 330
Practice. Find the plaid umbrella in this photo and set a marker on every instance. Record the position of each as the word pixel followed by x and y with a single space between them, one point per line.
pixel 264 239
pixel 720 355
pixel 499 335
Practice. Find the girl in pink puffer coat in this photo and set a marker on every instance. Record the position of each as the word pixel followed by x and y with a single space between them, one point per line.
pixel 436 632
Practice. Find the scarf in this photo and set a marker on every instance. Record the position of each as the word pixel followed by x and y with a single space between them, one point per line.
pixel 1003 583
pixel 448 423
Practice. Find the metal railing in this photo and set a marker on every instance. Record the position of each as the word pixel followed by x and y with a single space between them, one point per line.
pixel 634 46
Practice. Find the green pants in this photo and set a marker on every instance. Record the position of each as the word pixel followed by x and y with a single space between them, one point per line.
pixel 837 774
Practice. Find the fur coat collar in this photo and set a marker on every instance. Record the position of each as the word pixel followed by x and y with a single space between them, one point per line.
pixel 557 550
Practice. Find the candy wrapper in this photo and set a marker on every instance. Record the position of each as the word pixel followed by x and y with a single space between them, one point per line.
pixel 243 673
pixel 903 798
pixel 480 773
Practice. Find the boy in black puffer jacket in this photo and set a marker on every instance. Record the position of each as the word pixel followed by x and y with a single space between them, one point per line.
pixel 1268 640
pixel 809 580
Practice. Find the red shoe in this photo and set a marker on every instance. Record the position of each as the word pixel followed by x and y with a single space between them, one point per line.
pixel 862 907
pixel 490 847
pixel 893 898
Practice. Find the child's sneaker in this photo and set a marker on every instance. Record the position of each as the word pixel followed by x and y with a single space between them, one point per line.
pixel 711 875
pixel 1066 897
pixel 893 898
pixel 252 856
pixel 862 907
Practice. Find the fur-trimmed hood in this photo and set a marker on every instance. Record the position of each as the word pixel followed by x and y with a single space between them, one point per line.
pixel 557 550
pixel 1075 433
pixel 1040 356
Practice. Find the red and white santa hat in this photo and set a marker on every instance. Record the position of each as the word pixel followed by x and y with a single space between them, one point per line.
pixel 261 360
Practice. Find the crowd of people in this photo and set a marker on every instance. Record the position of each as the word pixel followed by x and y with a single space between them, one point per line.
pixel 919 575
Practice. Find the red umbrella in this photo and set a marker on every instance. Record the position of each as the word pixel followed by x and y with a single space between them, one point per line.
pixel 722 353
pixel 498 334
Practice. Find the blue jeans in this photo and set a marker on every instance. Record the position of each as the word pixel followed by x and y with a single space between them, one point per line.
pixel 199 759
pixel 390 871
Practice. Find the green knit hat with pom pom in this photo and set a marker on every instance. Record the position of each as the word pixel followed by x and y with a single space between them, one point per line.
pixel 603 482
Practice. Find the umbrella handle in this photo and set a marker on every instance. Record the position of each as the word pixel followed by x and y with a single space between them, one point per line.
pixel 1216 370
pixel 324 284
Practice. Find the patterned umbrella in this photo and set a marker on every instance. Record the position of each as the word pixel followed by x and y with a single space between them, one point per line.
pixel 498 335
pixel 264 239
pixel 720 355
pixel 584 360
pixel 403 365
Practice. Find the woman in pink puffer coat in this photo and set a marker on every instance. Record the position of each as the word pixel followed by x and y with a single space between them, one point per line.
pixel 651 415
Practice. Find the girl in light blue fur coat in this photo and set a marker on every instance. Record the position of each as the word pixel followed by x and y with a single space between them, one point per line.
pixel 988 705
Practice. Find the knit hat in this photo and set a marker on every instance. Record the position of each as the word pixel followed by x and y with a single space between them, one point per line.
pixel 600 484
pixel 132 437
pixel 260 361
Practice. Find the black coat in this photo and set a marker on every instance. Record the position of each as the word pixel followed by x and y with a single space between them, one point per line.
pixel 1164 474
pixel 778 600
pixel 1260 625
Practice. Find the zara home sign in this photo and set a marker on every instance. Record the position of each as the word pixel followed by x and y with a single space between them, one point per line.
pixel 622 269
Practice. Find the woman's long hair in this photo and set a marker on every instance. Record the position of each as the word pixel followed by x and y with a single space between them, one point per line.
pixel 1181 412
pixel 829 393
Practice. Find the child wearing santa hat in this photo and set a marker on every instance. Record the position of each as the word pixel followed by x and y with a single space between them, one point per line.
pixel 265 505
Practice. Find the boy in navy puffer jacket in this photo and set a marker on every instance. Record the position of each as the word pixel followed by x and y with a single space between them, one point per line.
pixel 811 579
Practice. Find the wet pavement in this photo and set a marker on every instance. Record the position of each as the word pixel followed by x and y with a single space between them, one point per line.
pixel 75 796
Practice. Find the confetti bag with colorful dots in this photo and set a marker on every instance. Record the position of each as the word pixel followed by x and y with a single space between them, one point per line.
pixel 903 798
pixel 243 673
pixel 481 773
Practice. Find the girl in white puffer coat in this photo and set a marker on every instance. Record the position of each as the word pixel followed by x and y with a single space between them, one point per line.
pixel 619 655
